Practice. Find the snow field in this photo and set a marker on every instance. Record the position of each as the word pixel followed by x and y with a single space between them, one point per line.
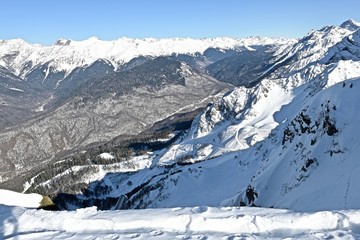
pixel 182 223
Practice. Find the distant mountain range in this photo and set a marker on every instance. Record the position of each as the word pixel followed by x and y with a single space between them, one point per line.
pixel 286 124
pixel 66 96
pixel 22 58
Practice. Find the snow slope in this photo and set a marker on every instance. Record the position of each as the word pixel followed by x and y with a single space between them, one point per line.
pixel 246 115
pixel 309 162
pixel 313 163
pixel 178 223
pixel 294 137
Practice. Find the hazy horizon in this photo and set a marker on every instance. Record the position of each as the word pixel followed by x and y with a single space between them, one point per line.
pixel 36 22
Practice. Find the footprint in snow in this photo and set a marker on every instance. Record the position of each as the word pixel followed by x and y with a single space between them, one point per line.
pixel 201 237
pixel 135 235
pixel 183 237
pixel 199 209
pixel 156 233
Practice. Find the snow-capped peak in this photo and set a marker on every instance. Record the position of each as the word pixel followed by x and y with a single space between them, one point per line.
pixel 66 55
pixel 351 25
pixel 63 42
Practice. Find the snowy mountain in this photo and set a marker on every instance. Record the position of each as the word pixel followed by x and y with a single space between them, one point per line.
pixel 292 136
pixel 288 130
pixel 350 25
pixel 302 72
pixel 61 69
pixel 66 55
pixel 66 96
pixel 290 133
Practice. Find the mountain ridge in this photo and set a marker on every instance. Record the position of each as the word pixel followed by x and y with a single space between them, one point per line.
pixel 65 83
pixel 282 136
pixel 117 52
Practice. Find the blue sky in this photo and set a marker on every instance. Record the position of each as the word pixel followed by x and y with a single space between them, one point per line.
pixel 45 21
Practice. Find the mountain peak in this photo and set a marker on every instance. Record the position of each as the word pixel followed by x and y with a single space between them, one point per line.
pixel 63 42
pixel 92 39
pixel 351 25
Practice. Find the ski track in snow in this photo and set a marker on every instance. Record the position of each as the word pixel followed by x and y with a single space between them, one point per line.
pixel 178 223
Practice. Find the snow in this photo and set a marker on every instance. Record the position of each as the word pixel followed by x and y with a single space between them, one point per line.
pixel 106 156
pixel 275 169
pixel 344 70
pixel 135 163
pixel 256 124
pixel 11 198
pixel 239 140
pixel 350 25
pixel 178 223
pixel 40 109
pixel 29 183
pixel 67 55
pixel 16 89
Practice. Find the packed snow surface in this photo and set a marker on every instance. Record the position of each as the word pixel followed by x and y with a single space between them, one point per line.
pixel 17 199
pixel 178 223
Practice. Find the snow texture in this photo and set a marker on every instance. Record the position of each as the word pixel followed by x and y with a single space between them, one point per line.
pixel 178 223
pixel 106 156
pixel 11 198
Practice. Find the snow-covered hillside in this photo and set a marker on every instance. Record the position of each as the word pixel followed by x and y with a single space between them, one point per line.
pixel 308 162
pixel 74 93
pixel 178 223
pixel 293 137
pixel 66 55
pixel 247 115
